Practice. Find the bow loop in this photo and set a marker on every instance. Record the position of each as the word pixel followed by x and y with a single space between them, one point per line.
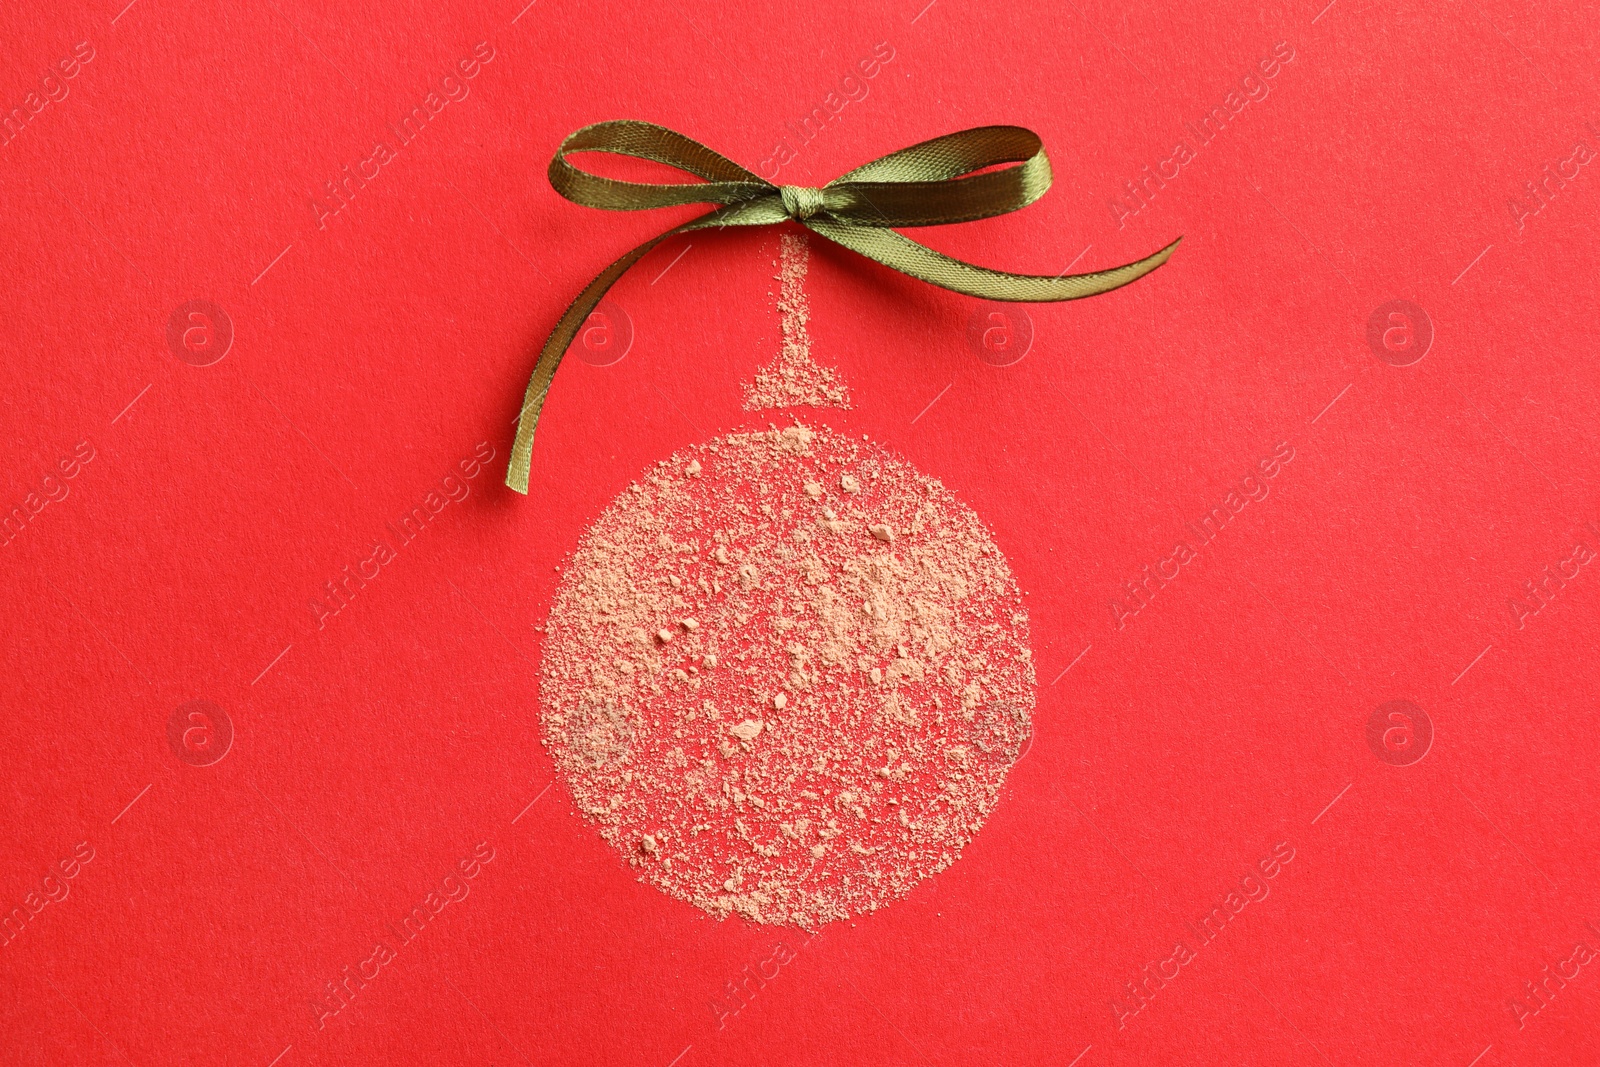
pixel 973 174
pixel 725 181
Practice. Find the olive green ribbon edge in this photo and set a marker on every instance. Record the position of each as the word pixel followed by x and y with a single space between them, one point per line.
pixel 927 184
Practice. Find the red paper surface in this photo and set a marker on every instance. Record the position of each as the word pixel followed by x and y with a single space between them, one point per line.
pixel 250 389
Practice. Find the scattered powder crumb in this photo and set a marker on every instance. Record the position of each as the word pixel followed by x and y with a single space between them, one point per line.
pixel 794 379
pixel 892 676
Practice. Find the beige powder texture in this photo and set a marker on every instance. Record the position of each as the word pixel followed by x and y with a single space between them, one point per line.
pixel 786 675
pixel 794 379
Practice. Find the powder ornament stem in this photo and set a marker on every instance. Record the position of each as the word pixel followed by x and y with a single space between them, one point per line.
pixel 793 378
pixel 933 183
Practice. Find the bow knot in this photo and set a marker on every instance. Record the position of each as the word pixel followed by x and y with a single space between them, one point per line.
pixel 959 177
pixel 801 201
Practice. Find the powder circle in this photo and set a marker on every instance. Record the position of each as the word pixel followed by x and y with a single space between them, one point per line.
pixel 786 675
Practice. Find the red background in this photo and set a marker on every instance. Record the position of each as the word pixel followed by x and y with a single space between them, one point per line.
pixel 376 349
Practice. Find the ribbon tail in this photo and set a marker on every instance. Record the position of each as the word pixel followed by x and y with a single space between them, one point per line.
pixel 899 252
pixel 555 346
pixel 748 213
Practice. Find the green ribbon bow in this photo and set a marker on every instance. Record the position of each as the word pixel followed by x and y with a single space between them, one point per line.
pixel 924 185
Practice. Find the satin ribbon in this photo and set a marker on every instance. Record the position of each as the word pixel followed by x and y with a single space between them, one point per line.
pixel 929 184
